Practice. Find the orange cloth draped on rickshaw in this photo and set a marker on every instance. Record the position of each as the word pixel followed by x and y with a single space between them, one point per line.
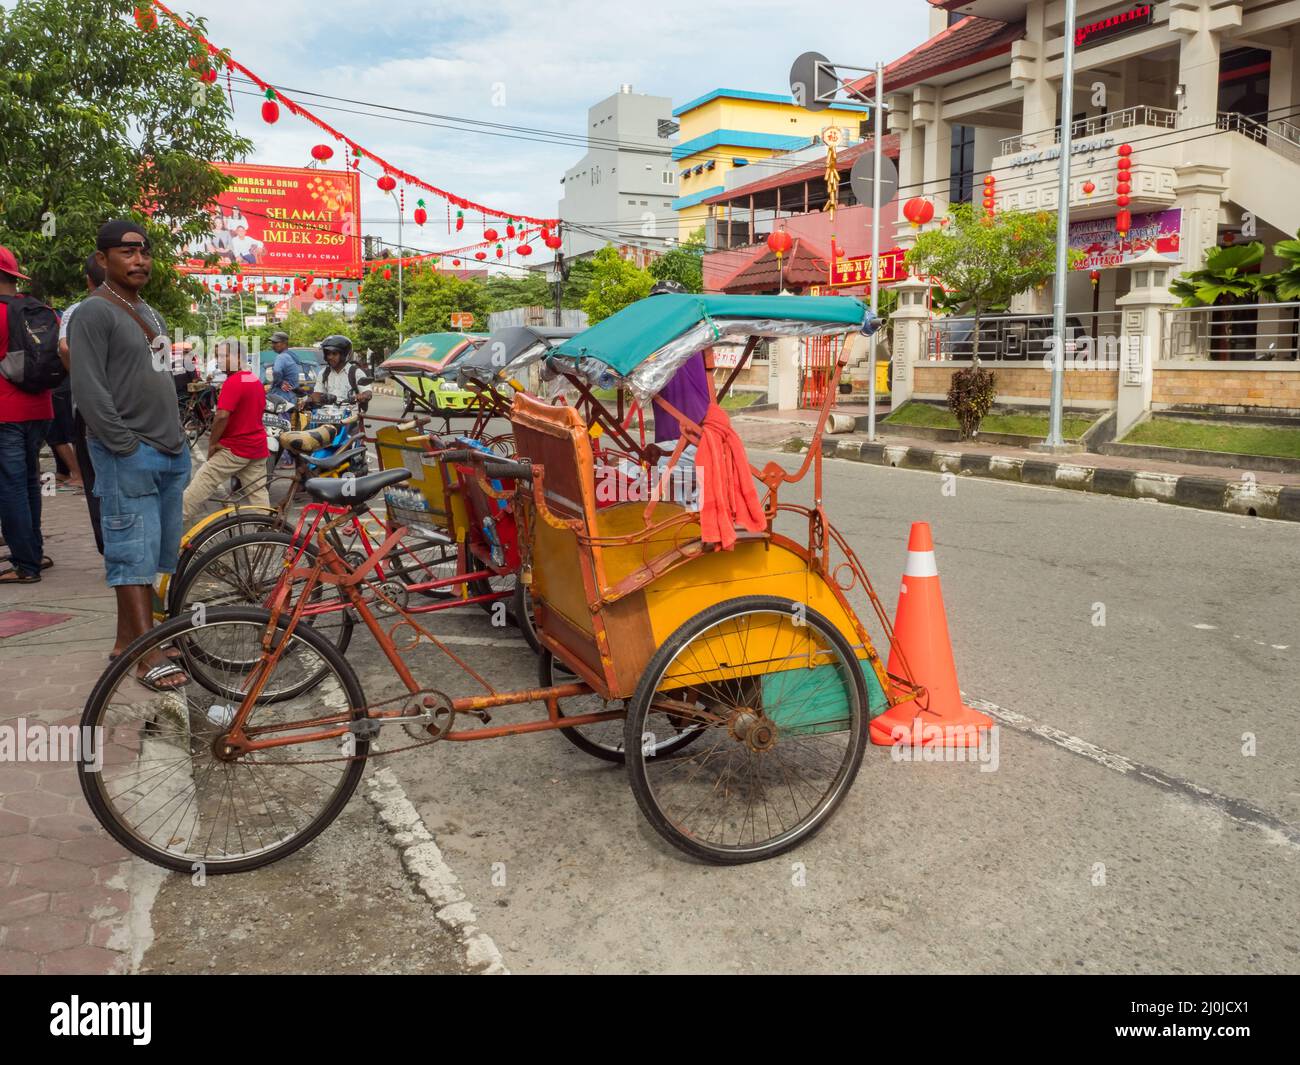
pixel 727 494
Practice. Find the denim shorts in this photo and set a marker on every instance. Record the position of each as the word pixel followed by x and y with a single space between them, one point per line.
pixel 140 498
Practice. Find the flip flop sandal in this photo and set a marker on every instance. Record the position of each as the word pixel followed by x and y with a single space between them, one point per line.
pixel 14 577
pixel 154 678
pixel 46 562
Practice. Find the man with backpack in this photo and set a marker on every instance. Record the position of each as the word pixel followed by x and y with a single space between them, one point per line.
pixel 342 381
pixel 29 369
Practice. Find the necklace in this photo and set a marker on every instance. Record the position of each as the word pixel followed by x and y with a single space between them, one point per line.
pixel 157 326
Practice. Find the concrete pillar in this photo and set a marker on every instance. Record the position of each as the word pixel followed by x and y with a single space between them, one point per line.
pixel 1039 110
pixel 1142 324
pixel 783 373
pixel 1200 190
pixel 1200 23
pixel 911 322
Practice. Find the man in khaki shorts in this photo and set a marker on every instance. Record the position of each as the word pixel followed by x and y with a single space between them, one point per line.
pixel 237 442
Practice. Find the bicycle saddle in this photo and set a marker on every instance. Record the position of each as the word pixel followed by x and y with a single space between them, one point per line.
pixel 309 439
pixel 352 491
pixel 333 462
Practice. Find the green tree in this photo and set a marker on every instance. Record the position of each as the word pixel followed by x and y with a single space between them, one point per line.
pixel 99 120
pixel 430 297
pixel 505 293
pixel 578 284
pixel 685 265
pixel 985 260
pixel 1285 284
pixel 615 283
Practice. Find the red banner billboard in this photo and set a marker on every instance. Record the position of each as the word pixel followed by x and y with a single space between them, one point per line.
pixel 283 220
pixel 857 271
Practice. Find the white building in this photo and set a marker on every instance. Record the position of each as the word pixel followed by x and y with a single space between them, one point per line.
pixel 622 190
pixel 1202 96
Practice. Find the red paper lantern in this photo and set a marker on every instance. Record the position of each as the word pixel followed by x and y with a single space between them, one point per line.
pixel 1123 188
pixel 779 242
pixel 460 221
pixel 270 109
pixel 510 229
pixel 989 179
pixel 1121 201
pixel 480 255
pixel 455 262
pixel 489 234
pixel 386 183
pixel 322 152
pixel 421 216
pixel 388 275
pixel 1095 278
pixel 499 251
pixel 1126 149
pixel 307 280
pixel 918 211
pixel 1123 222
pixel 1089 188
pixel 1125 164
pixel 524 249
pixel 553 241
pixel 318 294
pixel 988 203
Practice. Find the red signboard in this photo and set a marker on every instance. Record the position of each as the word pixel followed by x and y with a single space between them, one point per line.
pixel 283 220
pixel 858 271
pixel 462 320
pixel 1137 16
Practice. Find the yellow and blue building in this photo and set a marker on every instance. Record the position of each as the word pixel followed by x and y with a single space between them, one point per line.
pixel 727 129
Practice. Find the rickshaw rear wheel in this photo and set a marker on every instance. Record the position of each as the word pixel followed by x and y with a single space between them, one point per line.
pixel 604 739
pixel 783 702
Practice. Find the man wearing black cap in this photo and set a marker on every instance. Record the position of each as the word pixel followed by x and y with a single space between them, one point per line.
pixel 122 385
pixel 284 371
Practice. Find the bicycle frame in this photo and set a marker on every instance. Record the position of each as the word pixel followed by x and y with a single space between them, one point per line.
pixel 330 568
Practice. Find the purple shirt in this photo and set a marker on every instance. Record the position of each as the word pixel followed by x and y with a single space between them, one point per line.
pixel 688 390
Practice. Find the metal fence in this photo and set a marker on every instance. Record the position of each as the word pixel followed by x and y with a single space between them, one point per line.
pixel 1246 332
pixel 1022 337
pixel 1141 115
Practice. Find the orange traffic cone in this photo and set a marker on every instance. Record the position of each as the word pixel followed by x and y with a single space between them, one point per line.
pixel 937 717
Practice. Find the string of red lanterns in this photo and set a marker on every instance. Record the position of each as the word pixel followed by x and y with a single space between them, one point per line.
pixel 146 20
pixel 1123 187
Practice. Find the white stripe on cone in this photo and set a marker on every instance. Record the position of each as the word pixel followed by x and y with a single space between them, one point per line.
pixel 921 564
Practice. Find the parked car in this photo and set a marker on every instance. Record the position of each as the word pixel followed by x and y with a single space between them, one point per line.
pixel 1002 336
pixel 310 364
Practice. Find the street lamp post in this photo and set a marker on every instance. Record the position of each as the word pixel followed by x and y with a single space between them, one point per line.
pixel 879 152
pixel 1055 438
pixel 401 335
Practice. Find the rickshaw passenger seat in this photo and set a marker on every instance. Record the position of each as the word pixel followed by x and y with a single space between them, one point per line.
pixel 353 491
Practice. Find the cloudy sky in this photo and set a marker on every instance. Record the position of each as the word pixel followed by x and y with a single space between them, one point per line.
pixel 537 64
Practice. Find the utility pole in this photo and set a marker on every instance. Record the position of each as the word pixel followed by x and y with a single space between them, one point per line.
pixel 1054 435
pixel 878 152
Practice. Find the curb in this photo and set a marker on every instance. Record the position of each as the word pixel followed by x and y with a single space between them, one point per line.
pixel 430 873
pixel 1241 496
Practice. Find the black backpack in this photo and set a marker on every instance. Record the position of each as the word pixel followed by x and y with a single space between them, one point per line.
pixel 31 361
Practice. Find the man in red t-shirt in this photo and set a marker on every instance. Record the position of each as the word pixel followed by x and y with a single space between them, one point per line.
pixel 24 419
pixel 237 443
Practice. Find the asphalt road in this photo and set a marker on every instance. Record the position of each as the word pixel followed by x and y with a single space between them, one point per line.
pixel 1127 826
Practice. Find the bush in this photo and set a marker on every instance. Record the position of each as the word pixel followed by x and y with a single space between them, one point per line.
pixel 970 397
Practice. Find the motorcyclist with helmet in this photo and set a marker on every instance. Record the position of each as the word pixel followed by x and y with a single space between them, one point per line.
pixel 342 382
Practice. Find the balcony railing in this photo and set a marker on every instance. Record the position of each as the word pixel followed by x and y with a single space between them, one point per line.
pixel 1240 332
pixel 1024 337
pixel 1141 115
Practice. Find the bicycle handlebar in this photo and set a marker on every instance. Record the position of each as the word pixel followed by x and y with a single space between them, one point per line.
pixel 497 467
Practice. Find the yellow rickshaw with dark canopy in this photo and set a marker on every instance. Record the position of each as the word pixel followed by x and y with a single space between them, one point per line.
pixel 702 635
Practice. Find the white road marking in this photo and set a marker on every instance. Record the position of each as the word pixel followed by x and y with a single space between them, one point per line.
pixel 1238 810
pixel 428 870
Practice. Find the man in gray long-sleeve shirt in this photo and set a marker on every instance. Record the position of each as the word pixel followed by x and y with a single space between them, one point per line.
pixel 122 386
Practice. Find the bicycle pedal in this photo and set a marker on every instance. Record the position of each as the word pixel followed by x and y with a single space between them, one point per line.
pixel 365 728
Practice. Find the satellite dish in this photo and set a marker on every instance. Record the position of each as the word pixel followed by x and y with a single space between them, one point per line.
pixel 812 77
pixel 863 176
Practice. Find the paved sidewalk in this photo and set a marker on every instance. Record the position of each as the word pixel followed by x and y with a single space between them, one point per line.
pixel 64 897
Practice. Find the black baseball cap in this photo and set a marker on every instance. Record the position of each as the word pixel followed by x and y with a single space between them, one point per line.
pixel 111 233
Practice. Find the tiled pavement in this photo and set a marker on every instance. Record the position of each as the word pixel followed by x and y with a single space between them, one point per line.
pixel 64 897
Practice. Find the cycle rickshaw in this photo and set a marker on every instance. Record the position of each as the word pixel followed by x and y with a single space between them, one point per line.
pixel 737 673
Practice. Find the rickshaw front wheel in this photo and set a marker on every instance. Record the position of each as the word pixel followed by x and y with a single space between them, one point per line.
pixel 780 701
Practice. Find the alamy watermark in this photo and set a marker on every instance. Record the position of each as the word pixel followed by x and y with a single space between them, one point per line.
pixel 36 741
